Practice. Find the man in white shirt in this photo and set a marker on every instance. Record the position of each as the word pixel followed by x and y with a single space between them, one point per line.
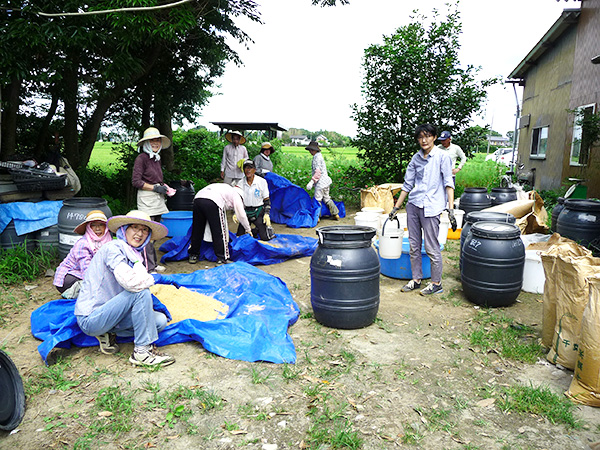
pixel 453 151
pixel 256 202
pixel 232 153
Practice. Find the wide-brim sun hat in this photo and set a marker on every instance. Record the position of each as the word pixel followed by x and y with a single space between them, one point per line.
pixel 313 145
pixel 93 216
pixel 153 133
pixel 267 146
pixel 158 230
pixel 231 133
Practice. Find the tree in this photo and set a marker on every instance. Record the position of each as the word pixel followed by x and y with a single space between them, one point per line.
pixel 414 77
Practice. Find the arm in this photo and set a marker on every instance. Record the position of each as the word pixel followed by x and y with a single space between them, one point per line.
pixel 240 212
pixel 463 158
pixel 223 159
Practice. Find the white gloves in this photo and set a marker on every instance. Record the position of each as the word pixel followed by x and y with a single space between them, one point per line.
pixel 310 185
pixel 235 219
pixel 133 279
pixel 267 220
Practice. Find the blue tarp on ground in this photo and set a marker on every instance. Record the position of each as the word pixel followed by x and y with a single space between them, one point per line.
pixel 244 248
pixel 29 216
pixel 291 205
pixel 261 309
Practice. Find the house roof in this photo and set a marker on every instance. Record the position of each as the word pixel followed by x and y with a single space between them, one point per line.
pixel 567 19
pixel 244 126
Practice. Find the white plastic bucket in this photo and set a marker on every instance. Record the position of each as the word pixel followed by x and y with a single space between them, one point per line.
pixel 367 219
pixel 373 209
pixel 533 273
pixel 444 227
pixel 403 218
pixel 390 241
pixel 459 215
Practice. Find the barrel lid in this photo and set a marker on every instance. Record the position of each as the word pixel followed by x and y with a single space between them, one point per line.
pixel 345 233
pixel 560 200
pixel 12 395
pixel 476 189
pixel 504 189
pixel 489 216
pixel 579 204
pixel 495 230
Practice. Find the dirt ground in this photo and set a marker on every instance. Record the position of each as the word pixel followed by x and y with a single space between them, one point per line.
pixel 410 380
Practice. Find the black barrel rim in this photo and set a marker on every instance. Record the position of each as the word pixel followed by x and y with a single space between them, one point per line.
pixel 504 190
pixel 12 395
pixel 345 233
pixel 489 216
pixel 85 201
pixel 580 204
pixel 476 190
pixel 495 230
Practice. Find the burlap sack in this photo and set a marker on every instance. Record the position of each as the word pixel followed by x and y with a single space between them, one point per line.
pixel 377 196
pixel 585 386
pixel 556 245
pixel 572 276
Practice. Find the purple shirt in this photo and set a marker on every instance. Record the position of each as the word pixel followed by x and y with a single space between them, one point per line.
pixel 75 263
pixel 146 170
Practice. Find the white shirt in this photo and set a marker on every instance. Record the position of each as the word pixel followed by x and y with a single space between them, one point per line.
pixel 455 152
pixel 231 156
pixel 255 193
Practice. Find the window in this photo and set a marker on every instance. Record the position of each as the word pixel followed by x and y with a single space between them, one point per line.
pixel 580 147
pixel 539 142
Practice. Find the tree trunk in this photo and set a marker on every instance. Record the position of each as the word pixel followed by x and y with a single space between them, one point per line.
pixel 146 105
pixel 70 95
pixel 163 123
pixel 10 98
pixel 43 134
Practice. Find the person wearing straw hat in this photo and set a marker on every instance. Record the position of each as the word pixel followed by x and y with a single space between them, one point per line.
pixel 95 234
pixel 115 299
pixel 147 178
pixel 256 203
pixel 210 206
pixel 232 153
pixel 262 161
pixel 321 180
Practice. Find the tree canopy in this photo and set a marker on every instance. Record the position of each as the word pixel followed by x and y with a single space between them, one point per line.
pixel 414 77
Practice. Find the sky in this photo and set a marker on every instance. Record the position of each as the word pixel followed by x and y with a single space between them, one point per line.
pixel 304 69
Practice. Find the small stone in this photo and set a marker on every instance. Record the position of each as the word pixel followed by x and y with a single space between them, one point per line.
pixel 359 417
pixel 269 447
pixel 282 424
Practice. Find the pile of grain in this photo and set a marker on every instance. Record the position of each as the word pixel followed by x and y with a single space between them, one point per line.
pixel 185 304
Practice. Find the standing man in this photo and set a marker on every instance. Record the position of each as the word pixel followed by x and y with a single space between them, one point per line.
pixel 231 173
pixel 256 202
pixel 453 150
pixel 428 179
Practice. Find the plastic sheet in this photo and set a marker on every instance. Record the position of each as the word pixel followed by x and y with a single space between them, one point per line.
pixel 261 309
pixel 29 216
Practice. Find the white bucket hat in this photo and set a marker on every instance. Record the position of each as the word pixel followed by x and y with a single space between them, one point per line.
pixel 153 133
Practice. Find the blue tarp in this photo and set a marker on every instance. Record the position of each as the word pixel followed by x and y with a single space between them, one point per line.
pixel 29 216
pixel 244 248
pixel 291 205
pixel 261 309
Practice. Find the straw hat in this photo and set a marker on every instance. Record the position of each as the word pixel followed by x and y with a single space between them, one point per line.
pixel 159 231
pixel 152 133
pixel 231 133
pixel 93 216
pixel 314 145
pixel 267 146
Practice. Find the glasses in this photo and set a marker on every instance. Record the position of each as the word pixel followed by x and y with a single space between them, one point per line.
pixel 139 229
pixel 424 137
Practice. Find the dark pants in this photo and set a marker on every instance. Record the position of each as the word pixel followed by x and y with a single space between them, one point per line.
pixel 429 226
pixel 151 257
pixel 258 223
pixel 69 281
pixel 207 211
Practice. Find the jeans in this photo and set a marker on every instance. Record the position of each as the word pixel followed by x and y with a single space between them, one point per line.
pixel 126 314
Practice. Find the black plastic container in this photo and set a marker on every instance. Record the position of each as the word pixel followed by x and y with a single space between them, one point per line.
pixel 183 200
pixel 579 220
pixel 12 395
pixel 492 264
pixel 501 195
pixel 344 277
pixel 475 199
pixel 71 214
pixel 560 205
pixel 483 216
pixel 46 239
pixel 9 238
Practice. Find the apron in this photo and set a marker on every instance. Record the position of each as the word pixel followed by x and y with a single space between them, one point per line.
pixel 152 203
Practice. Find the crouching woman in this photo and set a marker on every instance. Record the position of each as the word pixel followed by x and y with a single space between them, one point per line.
pixel 115 299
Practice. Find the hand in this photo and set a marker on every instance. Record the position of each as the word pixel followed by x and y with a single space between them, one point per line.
pixel 165 279
pixel 310 185
pixel 159 189
pixel 235 219
pixel 222 175
pixel 452 219
pixel 394 212
pixel 267 220
pixel 455 171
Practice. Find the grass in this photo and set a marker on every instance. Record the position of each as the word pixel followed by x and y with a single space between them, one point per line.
pixel 18 265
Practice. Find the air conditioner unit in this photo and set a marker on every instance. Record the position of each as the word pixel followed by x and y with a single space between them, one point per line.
pixel 524 121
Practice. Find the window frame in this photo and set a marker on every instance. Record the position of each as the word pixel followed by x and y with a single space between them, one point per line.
pixel 577 134
pixel 535 140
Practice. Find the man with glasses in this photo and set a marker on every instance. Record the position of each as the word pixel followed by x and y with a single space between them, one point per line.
pixel 428 179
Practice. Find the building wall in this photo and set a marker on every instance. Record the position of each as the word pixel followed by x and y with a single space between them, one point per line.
pixel 585 90
pixel 546 95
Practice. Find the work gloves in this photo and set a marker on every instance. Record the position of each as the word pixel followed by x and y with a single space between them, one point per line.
pixel 310 185
pixel 394 212
pixel 160 189
pixel 267 220
pixel 235 219
pixel 452 219
pixel 165 279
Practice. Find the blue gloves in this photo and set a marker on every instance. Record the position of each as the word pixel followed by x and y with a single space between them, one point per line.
pixel 158 306
pixel 165 279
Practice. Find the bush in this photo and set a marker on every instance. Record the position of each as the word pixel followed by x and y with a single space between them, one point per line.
pixel 478 172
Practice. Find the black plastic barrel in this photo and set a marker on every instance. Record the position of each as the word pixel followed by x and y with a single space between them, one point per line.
pixel 475 199
pixel 46 239
pixel 183 200
pixel 344 277
pixel 9 238
pixel 492 264
pixel 579 220
pixel 560 205
pixel 483 216
pixel 12 395
pixel 501 195
pixel 71 214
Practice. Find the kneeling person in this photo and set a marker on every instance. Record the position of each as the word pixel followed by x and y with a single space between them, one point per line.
pixel 256 202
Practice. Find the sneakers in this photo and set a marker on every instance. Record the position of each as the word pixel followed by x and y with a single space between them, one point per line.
pixel 150 357
pixel 160 269
pixel 192 259
pixel 336 217
pixel 432 289
pixel 224 261
pixel 108 343
pixel 411 286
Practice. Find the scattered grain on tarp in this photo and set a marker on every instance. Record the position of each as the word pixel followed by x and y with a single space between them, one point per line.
pixel 184 303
